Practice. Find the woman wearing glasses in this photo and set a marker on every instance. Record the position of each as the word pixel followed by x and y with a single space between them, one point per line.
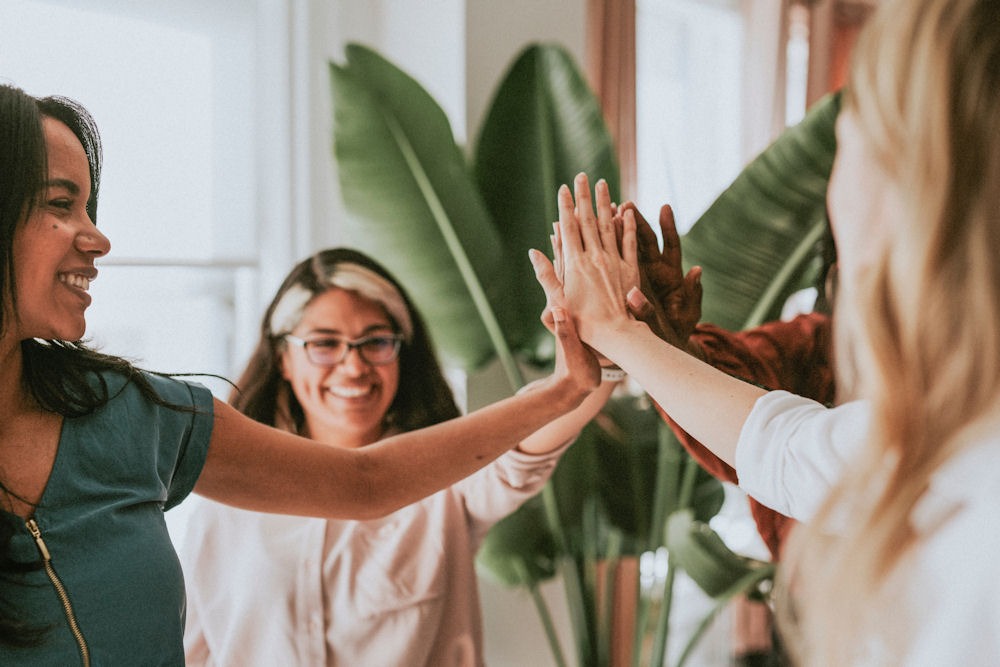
pixel 344 359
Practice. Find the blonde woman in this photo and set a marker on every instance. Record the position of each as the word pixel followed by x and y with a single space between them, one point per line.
pixel 896 566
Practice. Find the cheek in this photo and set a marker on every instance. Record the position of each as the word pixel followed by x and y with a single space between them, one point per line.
pixel 297 372
pixel 855 203
pixel 390 381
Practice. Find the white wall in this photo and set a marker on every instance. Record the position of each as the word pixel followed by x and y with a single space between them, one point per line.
pixel 457 49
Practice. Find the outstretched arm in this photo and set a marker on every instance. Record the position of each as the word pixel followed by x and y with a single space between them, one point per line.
pixel 256 467
pixel 709 404
pixel 559 431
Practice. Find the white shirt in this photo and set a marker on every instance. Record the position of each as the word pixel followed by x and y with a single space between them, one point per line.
pixel 942 605
pixel 267 590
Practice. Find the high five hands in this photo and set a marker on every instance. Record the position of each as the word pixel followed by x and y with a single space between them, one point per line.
pixel 596 260
pixel 673 307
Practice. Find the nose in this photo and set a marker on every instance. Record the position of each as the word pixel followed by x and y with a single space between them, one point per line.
pixel 353 363
pixel 92 242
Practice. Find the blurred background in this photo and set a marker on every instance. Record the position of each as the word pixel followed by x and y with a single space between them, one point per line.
pixel 216 121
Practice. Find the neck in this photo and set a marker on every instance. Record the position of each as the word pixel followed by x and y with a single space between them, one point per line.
pixel 338 438
pixel 14 398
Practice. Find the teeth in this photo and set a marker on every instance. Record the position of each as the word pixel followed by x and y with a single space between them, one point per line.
pixel 350 392
pixel 75 280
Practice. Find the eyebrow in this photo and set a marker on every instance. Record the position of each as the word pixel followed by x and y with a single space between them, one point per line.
pixel 335 332
pixel 73 188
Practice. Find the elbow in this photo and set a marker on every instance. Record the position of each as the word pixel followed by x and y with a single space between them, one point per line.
pixel 374 497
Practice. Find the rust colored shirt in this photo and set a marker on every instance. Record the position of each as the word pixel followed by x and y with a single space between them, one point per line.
pixel 794 356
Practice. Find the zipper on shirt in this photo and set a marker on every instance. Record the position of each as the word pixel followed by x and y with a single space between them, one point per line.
pixel 60 591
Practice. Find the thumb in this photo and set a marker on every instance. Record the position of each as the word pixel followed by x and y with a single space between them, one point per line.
pixel 546 275
pixel 638 304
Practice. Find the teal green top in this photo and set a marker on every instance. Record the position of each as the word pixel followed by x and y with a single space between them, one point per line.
pixel 101 518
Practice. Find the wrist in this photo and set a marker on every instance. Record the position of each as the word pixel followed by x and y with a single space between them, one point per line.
pixel 564 392
pixel 612 373
pixel 611 341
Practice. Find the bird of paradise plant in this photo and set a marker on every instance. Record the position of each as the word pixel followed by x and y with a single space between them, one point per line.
pixel 456 230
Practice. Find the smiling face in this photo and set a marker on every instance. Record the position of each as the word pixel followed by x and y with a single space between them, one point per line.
pixel 55 248
pixel 345 404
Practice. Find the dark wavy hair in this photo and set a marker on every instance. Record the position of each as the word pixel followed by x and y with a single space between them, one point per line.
pixel 423 397
pixel 63 377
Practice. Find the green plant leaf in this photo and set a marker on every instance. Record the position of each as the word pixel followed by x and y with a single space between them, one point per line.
pixel 701 553
pixel 519 550
pixel 412 204
pixel 544 126
pixel 604 486
pixel 761 240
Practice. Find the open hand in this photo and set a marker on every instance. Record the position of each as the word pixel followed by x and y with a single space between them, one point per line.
pixel 574 359
pixel 673 299
pixel 596 260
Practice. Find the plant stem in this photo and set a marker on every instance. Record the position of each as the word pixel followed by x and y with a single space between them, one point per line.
pixel 741 586
pixel 641 620
pixel 543 613
pixel 663 622
pixel 800 255
pixel 609 586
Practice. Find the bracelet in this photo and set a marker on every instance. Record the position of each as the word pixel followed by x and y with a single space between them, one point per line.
pixel 612 374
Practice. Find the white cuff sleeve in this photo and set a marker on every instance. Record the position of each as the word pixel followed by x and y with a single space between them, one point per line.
pixel 792 450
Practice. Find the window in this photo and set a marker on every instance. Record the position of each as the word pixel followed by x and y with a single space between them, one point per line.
pixel 716 81
pixel 174 107
pixel 688 104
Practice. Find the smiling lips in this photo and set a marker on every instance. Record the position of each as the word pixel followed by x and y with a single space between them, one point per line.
pixel 76 280
pixel 351 392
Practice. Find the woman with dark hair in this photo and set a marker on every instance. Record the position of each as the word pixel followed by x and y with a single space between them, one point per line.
pixel 345 359
pixel 92 450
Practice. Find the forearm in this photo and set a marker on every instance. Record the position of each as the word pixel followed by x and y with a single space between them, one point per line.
pixel 708 404
pixel 255 467
pixel 562 429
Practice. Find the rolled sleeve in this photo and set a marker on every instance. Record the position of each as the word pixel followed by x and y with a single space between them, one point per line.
pixel 792 450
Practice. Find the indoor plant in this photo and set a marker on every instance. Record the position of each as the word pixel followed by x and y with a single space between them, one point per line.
pixel 457 236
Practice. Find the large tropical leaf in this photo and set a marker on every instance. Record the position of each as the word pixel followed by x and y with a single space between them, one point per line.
pixel 761 240
pixel 605 484
pixel 520 551
pixel 412 203
pixel 543 127
pixel 618 460
pixel 703 555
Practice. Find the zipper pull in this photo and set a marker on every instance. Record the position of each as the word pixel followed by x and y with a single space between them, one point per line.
pixel 37 534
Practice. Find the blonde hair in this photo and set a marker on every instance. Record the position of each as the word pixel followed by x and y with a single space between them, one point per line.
pixel 918 336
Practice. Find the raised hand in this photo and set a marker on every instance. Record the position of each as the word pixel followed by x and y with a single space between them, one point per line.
pixel 673 299
pixel 598 263
pixel 572 355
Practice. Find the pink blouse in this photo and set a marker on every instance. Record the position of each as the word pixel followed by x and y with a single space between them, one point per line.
pixel 266 589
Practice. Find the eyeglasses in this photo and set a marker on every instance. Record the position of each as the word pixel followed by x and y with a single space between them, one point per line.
pixel 330 351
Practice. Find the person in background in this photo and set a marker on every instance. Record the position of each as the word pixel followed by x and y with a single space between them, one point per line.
pixel 894 565
pixel 345 359
pixel 93 450
pixel 794 355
